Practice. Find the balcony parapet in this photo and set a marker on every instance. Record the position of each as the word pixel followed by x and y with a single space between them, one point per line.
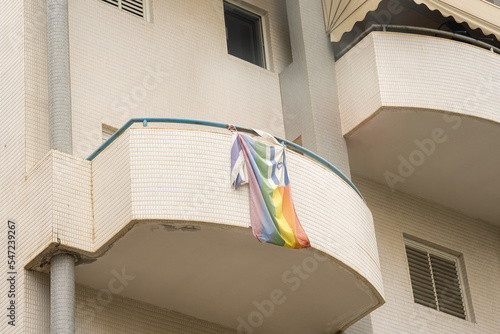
pixel 416 109
pixel 154 180
pixel 417 31
pixel 401 70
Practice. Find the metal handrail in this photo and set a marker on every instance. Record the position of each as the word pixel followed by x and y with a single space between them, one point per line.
pixel 146 120
pixel 416 30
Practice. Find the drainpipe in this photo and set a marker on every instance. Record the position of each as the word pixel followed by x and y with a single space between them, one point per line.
pixel 59 76
pixel 62 266
pixel 62 294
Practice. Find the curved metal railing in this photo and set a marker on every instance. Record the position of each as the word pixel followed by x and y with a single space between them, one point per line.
pixel 419 31
pixel 146 120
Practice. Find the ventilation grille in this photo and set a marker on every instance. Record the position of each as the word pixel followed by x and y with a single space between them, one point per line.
pixel 435 282
pixel 111 2
pixel 134 7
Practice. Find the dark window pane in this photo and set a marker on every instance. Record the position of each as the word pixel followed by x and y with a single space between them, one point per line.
pixel 244 34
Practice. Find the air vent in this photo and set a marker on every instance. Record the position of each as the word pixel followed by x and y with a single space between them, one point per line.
pixel 435 279
pixel 111 2
pixel 134 7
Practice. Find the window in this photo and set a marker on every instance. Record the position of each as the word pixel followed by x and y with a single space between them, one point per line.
pixel 134 7
pixel 244 34
pixel 436 279
pixel 107 131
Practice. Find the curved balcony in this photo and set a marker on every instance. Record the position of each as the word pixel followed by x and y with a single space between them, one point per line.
pixel 420 113
pixel 165 213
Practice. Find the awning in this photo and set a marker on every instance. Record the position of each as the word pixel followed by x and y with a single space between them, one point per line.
pixel 341 15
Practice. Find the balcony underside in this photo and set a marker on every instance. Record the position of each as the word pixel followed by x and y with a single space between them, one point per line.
pixel 221 273
pixel 444 157
pixel 157 203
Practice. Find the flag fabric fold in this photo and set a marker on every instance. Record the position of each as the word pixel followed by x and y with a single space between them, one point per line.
pixel 263 167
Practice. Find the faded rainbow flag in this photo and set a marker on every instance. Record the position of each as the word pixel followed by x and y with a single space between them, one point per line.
pixel 263 167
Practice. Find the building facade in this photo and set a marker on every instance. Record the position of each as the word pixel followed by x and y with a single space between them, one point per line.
pixel 117 211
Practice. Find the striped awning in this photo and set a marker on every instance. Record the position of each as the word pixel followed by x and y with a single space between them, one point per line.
pixel 341 15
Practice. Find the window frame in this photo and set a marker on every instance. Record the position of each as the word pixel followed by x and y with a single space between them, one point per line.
pixel 449 255
pixel 244 8
pixel 494 2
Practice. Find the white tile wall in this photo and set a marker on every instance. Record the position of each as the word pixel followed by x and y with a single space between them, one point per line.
pixel 389 69
pixel 112 314
pixel 12 141
pixel 36 82
pixel 396 213
pixel 111 189
pixel 179 174
pixel 309 87
pixel 175 66
pixel 72 220
pixel 359 93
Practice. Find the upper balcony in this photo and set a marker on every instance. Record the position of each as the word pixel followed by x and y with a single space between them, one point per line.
pixel 420 113
pixel 158 203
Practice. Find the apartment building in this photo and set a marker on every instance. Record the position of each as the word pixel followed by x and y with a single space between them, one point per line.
pixel 118 214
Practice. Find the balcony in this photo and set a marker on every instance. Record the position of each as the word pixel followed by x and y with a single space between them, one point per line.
pixel 157 203
pixel 411 105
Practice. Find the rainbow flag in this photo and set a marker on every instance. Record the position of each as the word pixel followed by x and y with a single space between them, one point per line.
pixel 263 167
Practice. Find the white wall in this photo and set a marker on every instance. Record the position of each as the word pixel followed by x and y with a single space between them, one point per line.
pixel 174 66
pixel 388 69
pixel 309 87
pixel 396 213
pixel 97 311
pixel 12 135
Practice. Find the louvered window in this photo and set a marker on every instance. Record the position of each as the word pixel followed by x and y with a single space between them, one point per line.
pixel 134 7
pixel 436 279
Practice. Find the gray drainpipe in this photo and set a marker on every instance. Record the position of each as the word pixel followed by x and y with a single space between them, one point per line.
pixel 59 76
pixel 62 266
pixel 62 294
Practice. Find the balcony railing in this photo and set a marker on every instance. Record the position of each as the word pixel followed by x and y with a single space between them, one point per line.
pixel 293 146
pixel 419 31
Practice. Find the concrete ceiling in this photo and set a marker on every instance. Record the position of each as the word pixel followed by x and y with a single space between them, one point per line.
pixel 452 160
pixel 218 274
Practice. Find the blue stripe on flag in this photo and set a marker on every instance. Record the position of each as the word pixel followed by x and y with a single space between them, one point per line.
pixel 267 231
